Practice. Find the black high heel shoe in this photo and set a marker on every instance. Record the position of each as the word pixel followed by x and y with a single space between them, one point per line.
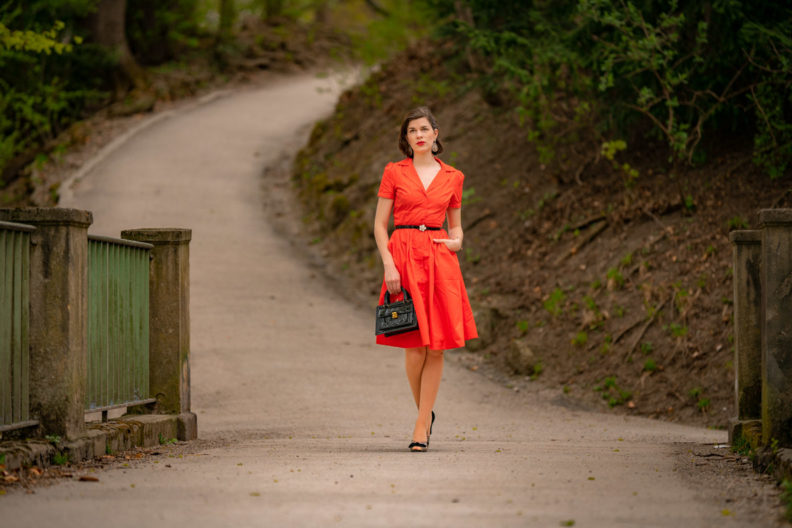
pixel 422 448
pixel 418 447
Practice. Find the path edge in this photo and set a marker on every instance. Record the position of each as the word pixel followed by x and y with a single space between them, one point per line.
pixel 115 436
pixel 66 189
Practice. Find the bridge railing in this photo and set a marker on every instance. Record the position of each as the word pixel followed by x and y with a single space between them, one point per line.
pixel 14 321
pixel 118 323
pixel 763 331
pixel 91 323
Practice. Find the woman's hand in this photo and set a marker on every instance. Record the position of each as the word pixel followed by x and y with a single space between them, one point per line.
pixel 454 244
pixel 392 279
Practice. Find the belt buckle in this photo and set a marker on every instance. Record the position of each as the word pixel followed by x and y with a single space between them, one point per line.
pixel 422 227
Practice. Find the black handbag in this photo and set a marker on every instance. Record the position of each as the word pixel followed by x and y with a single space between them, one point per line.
pixel 397 317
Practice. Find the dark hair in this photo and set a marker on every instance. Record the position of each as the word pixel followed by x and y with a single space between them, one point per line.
pixel 418 113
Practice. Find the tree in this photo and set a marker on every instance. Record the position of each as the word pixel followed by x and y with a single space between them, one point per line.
pixel 227 18
pixel 109 30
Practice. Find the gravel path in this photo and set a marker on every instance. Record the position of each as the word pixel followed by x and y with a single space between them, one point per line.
pixel 307 424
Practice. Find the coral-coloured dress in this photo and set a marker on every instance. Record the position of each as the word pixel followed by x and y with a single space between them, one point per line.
pixel 429 270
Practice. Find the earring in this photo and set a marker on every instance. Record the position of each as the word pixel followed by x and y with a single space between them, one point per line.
pixel 435 148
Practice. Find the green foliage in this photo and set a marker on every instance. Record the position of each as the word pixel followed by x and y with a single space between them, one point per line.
pixel 737 222
pixel 687 67
pixel 626 261
pixel 161 30
pixel 53 439
pixel 606 344
pixel 60 459
pixel 646 347
pixel 469 196
pixel 523 326
pixel 537 370
pixel 30 41
pixel 377 39
pixel 580 339
pixel 555 303
pixel 786 498
pixel 615 277
pixel 609 151
pixel 742 446
pixel 650 365
pixel 677 330
pixel 612 393
pixel 48 76
pixel 163 440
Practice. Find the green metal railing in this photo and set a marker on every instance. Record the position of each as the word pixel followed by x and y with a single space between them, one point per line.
pixel 14 321
pixel 118 323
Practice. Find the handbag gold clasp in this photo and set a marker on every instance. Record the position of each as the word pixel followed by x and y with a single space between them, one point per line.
pixel 395 315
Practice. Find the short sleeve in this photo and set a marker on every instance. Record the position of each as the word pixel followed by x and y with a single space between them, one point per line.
pixel 387 188
pixel 456 197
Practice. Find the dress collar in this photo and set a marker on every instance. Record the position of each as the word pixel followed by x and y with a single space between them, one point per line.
pixel 406 162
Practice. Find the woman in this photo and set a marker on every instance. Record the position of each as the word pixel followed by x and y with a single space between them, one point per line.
pixel 420 257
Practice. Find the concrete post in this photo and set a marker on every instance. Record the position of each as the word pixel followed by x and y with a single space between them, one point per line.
pixel 776 225
pixel 58 316
pixel 169 327
pixel 747 255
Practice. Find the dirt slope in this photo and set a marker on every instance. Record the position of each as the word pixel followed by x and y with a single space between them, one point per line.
pixel 618 296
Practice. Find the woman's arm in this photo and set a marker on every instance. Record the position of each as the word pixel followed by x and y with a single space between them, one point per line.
pixel 454 242
pixel 381 217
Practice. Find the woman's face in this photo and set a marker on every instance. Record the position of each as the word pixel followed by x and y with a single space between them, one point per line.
pixel 421 135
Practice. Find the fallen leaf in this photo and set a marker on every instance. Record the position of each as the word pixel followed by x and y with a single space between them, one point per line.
pixel 35 471
pixel 89 478
pixel 10 478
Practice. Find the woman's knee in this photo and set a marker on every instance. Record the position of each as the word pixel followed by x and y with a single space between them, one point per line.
pixel 436 353
pixel 419 352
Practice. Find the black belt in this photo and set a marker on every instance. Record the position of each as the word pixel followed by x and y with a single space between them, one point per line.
pixel 418 227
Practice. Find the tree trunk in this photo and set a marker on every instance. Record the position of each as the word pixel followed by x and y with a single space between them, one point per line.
pixel 322 13
pixel 109 30
pixel 227 17
pixel 465 14
pixel 272 9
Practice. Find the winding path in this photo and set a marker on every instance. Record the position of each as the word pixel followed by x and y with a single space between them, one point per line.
pixel 307 424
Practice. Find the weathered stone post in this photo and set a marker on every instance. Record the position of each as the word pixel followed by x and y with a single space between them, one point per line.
pixel 747 258
pixel 169 327
pixel 776 225
pixel 58 315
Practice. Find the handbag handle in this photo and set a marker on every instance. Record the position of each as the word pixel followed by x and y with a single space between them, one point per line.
pixel 406 295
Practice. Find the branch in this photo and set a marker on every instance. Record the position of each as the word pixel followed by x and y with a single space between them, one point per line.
pixel 656 121
pixel 764 116
pixel 643 330
pixel 377 8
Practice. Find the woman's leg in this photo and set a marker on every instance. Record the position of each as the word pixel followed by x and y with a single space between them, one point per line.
pixel 414 359
pixel 431 375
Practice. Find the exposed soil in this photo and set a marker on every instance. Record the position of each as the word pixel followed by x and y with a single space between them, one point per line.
pixel 618 295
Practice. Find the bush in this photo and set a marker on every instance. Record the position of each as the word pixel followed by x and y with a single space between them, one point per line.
pixel 688 68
